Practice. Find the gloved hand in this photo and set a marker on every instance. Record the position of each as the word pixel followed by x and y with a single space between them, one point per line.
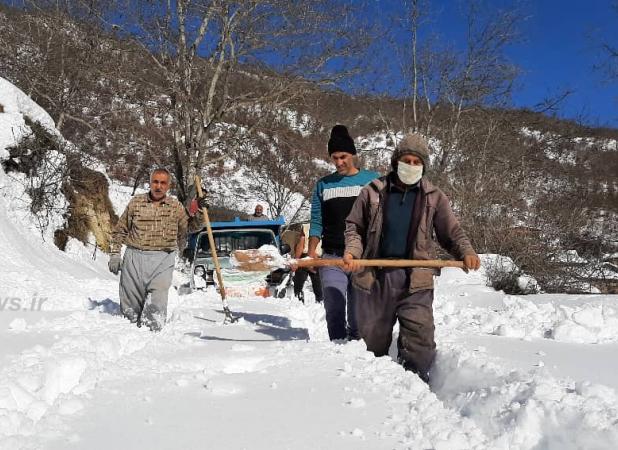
pixel 197 205
pixel 114 264
pixel 203 202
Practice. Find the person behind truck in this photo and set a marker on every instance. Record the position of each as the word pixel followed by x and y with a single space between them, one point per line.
pixel 296 237
pixel 258 213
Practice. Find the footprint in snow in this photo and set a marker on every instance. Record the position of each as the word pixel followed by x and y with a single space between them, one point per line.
pixel 241 365
pixel 356 403
pixel 222 388
pixel 242 348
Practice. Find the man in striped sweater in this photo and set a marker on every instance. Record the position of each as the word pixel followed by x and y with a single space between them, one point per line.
pixel 332 200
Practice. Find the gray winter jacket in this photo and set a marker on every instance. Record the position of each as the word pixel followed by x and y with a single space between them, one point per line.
pixel 364 230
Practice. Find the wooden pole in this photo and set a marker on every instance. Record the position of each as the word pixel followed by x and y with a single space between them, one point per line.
pixel 434 263
pixel 213 251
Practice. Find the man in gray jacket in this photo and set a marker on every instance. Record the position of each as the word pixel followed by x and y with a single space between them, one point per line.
pixel 395 216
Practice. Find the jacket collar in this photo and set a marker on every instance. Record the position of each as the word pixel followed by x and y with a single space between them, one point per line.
pixel 427 186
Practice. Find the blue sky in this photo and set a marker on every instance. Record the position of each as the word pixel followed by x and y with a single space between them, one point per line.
pixel 560 50
pixel 560 44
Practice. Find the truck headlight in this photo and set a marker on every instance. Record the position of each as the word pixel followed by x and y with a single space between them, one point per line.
pixel 199 271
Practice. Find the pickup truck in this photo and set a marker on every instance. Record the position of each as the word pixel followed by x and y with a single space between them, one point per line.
pixel 239 235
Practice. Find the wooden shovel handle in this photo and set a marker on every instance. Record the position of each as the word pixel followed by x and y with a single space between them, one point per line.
pixel 433 263
pixel 211 241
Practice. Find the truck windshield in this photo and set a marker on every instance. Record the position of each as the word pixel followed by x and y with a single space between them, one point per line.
pixel 229 241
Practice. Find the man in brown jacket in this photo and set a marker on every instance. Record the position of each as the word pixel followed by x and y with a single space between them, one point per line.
pixel 153 227
pixel 395 216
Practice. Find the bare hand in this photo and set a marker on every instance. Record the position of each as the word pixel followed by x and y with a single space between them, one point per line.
pixel 350 264
pixel 313 255
pixel 293 265
pixel 472 262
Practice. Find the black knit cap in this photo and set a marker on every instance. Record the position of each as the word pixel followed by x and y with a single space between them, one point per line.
pixel 340 141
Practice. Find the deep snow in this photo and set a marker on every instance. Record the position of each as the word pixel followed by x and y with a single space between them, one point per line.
pixel 534 372
pixel 272 380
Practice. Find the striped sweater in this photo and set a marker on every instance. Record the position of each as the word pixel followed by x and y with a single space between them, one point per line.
pixel 332 200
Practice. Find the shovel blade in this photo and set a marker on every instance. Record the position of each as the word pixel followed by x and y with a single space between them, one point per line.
pixel 253 261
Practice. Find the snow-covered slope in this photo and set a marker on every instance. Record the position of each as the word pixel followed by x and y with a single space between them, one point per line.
pixel 31 266
pixel 18 107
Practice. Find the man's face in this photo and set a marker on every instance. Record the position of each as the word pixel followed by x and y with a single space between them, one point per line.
pixel 159 185
pixel 259 210
pixel 344 162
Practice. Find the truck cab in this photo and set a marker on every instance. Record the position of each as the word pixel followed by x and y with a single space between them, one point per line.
pixel 239 235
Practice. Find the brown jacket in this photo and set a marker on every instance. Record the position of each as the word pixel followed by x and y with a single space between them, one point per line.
pixel 364 230
pixel 147 226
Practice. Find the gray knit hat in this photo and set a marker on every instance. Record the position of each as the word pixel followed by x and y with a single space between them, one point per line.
pixel 411 144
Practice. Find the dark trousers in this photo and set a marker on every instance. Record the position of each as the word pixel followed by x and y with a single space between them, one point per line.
pixel 338 302
pixel 300 276
pixel 389 301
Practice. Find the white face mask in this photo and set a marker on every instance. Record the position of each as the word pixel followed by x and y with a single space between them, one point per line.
pixel 409 174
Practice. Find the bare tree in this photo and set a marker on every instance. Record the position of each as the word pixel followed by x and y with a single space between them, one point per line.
pixel 417 12
pixel 282 176
pixel 480 76
pixel 223 61
pixel 445 83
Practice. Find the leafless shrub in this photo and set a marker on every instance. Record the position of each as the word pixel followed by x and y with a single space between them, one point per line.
pixel 40 156
pixel 508 279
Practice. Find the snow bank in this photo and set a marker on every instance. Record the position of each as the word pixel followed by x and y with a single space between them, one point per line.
pixel 589 319
pixel 32 267
pixel 17 107
pixel 525 410
pixel 594 322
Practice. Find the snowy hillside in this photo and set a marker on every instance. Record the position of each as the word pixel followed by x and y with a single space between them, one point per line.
pixel 36 269
pixel 534 372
